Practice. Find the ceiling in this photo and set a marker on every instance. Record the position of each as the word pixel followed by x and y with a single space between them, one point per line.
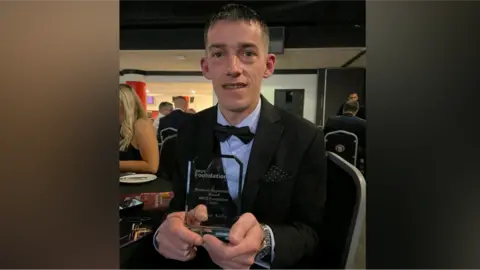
pixel 189 60
pixel 179 89
pixel 185 14
pixel 172 25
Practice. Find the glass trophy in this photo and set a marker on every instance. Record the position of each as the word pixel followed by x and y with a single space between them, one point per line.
pixel 207 184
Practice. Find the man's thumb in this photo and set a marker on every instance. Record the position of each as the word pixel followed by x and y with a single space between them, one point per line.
pixel 197 215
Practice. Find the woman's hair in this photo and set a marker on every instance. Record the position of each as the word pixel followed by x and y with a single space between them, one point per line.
pixel 133 110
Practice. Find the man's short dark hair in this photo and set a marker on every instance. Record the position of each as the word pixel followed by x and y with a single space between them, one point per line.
pixel 237 12
pixel 351 107
pixel 165 104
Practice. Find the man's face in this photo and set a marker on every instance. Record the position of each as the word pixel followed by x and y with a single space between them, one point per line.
pixel 237 61
pixel 353 97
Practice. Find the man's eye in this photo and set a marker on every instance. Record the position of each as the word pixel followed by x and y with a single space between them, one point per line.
pixel 217 54
pixel 249 54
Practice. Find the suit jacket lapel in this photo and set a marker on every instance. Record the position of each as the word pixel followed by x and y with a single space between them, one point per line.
pixel 267 137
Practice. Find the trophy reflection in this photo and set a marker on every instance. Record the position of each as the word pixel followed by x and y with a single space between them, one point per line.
pixel 207 184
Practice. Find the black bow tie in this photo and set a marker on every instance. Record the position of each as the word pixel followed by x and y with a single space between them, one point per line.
pixel 224 132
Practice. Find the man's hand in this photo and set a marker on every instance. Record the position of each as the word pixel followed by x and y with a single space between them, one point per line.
pixel 177 242
pixel 246 238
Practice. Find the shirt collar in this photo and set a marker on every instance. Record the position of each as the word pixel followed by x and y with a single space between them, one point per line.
pixel 251 121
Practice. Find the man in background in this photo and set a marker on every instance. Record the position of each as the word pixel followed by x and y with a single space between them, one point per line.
pixel 348 121
pixel 176 117
pixel 353 97
pixel 163 110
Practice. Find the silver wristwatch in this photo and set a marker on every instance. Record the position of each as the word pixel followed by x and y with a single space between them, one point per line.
pixel 266 248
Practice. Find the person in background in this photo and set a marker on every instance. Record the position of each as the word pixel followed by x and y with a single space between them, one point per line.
pixel 348 121
pixel 138 145
pixel 164 109
pixel 353 97
pixel 176 117
pixel 180 103
pixel 191 111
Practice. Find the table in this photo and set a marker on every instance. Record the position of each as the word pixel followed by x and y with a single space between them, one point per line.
pixel 156 186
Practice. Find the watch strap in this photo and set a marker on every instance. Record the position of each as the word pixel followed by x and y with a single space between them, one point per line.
pixel 266 249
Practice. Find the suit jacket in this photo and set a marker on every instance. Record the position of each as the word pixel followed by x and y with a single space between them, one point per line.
pixel 351 124
pixel 291 205
pixel 172 120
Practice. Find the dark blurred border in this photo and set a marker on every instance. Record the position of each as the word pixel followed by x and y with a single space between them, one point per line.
pixel 423 178
pixel 59 142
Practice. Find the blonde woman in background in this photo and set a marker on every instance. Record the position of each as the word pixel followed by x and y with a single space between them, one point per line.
pixel 138 141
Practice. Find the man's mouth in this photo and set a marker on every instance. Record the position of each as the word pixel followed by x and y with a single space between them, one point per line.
pixel 233 86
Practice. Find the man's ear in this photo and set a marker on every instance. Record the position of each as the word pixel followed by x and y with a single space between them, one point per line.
pixel 205 68
pixel 270 65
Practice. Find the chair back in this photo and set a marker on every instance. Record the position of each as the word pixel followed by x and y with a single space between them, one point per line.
pixel 168 156
pixel 165 133
pixel 344 144
pixel 344 214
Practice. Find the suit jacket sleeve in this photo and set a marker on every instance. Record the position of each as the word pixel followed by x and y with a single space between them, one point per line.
pixel 179 182
pixel 299 239
pixel 178 201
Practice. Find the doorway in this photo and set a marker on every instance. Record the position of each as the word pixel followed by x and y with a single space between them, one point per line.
pixel 290 100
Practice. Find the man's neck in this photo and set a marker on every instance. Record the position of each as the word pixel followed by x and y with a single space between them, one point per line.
pixel 235 118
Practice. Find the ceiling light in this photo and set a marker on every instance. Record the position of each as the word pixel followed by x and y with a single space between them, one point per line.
pixel 193 91
pixel 148 91
pixel 181 57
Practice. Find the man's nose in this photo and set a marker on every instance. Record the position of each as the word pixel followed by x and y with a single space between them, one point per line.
pixel 234 66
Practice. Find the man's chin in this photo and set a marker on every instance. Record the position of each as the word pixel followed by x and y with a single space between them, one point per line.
pixel 236 107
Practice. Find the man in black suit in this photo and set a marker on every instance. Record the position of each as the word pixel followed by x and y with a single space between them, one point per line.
pixel 284 185
pixel 348 121
pixel 175 118
pixel 353 97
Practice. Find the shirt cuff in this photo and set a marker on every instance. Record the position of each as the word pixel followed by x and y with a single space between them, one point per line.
pixel 272 251
pixel 155 245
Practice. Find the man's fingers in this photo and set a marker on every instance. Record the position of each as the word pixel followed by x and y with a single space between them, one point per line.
pixel 245 259
pixel 187 236
pixel 180 244
pixel 184 256
pixel 252 243
pixel 169 250
pixel 197 215
pixel 180 215
pixel 214 246
pixel 241 227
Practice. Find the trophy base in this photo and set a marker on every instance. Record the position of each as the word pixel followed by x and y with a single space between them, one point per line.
pixel 219 232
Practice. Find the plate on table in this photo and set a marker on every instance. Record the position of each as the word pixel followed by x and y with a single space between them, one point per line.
pixel 137 178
